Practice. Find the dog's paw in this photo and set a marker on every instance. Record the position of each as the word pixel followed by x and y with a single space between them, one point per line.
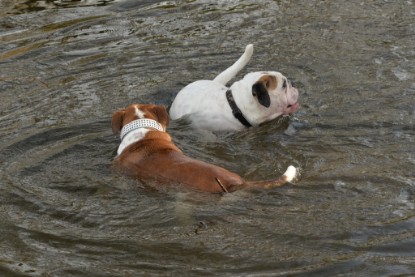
pixel 291 173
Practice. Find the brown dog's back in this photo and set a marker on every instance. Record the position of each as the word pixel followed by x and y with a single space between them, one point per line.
pixel 168 166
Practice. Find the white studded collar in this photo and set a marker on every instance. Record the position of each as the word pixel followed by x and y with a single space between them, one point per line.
pixel 140 123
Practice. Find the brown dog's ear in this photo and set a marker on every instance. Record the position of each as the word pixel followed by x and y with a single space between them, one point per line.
pixel 162 115
pixel 117 119
pixel 261 87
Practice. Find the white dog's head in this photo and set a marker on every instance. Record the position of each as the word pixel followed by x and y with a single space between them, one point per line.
pixel 271 95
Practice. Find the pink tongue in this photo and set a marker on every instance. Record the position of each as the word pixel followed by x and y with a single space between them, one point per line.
pixel 293 108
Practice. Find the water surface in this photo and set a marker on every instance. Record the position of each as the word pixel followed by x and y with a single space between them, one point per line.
pixel 66 66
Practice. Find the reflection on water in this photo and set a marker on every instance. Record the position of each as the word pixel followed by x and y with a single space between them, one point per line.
pixel 66 66
pixel 25 6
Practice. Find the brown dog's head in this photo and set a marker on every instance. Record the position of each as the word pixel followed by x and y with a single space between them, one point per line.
pixel 139 111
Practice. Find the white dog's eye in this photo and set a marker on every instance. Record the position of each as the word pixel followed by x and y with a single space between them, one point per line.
pixel 284 84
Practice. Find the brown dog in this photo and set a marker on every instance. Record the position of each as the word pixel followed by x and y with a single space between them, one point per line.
pixel 147 152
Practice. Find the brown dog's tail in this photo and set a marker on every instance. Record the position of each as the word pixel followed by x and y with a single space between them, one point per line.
pixel 289 175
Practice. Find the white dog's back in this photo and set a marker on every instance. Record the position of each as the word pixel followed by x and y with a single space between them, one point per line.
pixel 199 99
pixel 192 98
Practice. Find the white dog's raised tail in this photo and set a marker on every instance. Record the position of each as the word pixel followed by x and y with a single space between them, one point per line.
pixel 224 77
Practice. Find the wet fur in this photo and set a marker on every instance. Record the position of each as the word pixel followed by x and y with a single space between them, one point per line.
pixel 156 158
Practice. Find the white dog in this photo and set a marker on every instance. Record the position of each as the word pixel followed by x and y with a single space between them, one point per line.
pixel 257 98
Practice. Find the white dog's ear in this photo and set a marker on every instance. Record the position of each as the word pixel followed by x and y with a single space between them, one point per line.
pixel 261 87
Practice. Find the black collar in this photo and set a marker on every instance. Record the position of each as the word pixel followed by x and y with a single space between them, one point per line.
pixel 235 110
